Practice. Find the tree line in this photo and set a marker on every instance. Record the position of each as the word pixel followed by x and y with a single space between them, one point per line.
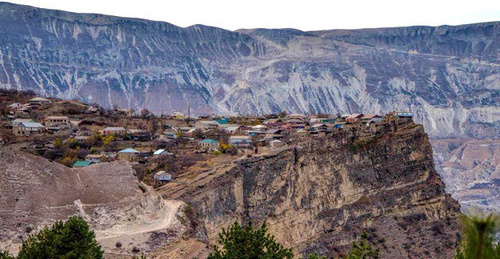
pixel 73 239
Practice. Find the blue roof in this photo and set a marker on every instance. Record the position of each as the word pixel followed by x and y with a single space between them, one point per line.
pixel 31 124
pixel 159 151
pixel 128 150
pixel 209 141
pixel 163 176
pixel 162 151
pixel 222 121
pixel 82 163
pixel 404 114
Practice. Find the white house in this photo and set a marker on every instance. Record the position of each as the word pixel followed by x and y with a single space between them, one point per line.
pixel 163 176
pixel 56 121
pixel 27 128
pixel 259 128
pixel 229 128
pixel 113 131
pixel 39 101
pixel 206 125
pixel 240 141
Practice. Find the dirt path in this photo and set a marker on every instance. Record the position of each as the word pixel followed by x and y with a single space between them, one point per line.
pixel 166 220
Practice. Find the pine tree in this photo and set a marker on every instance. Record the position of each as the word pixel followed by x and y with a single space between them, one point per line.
pixel 363 249
pixel 246 243
pixel 70 239
pixel 5 255
pixel 478 238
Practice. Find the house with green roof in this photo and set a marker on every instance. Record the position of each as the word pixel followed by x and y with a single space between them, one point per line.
pixel 209 144
pixel 78 164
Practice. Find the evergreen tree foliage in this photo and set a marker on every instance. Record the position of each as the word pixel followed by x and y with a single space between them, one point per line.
pixel 363 250
pixel 70 239
pixel 315 256
pixel 246 243
pixel 478 241
pixel 5 255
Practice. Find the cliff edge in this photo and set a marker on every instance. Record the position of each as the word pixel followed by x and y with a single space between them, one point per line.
pixel 321 193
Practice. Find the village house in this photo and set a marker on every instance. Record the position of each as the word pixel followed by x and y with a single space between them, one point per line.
pixel 354 118
pixel 162 177
pixel 162 152
pixel 24 108
pixel 113 131
pixel 109 155
pixel 16 122
pixel 240 141
pixel 128 154
pixel 170 134
pixel 139 134
pixel 187 130
pixel 229 128
pixel 222 121
pixel 276 143
pixel 259 128
pixel 209 144
pixel 319 127
pixel 27 128
pixel 56 121
pixel 79 164
pixel 15 106
pixel 39 101
pixel 317 120
pixel 178 115
pixel 295 126
pixel 94 158
pixel 272 121
pixel 206 125
pixel 75 123
pixel 371 118
pixel 402 115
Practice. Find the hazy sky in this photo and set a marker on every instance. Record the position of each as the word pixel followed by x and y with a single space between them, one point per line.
pixel 304 15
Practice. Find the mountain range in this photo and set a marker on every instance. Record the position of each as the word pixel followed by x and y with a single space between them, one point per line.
pixel 448 76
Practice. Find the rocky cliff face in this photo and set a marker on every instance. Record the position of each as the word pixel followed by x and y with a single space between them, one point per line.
pixel 321 194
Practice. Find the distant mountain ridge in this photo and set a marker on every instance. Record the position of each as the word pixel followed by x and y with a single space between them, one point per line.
pixel 448 75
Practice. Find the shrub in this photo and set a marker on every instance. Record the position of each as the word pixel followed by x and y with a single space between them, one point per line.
pixel 70 239
pixel 245 242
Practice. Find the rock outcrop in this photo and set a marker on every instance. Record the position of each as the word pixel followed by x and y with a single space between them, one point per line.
pixel 322 193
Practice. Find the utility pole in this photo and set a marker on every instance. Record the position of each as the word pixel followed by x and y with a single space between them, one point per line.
pixel 189 113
